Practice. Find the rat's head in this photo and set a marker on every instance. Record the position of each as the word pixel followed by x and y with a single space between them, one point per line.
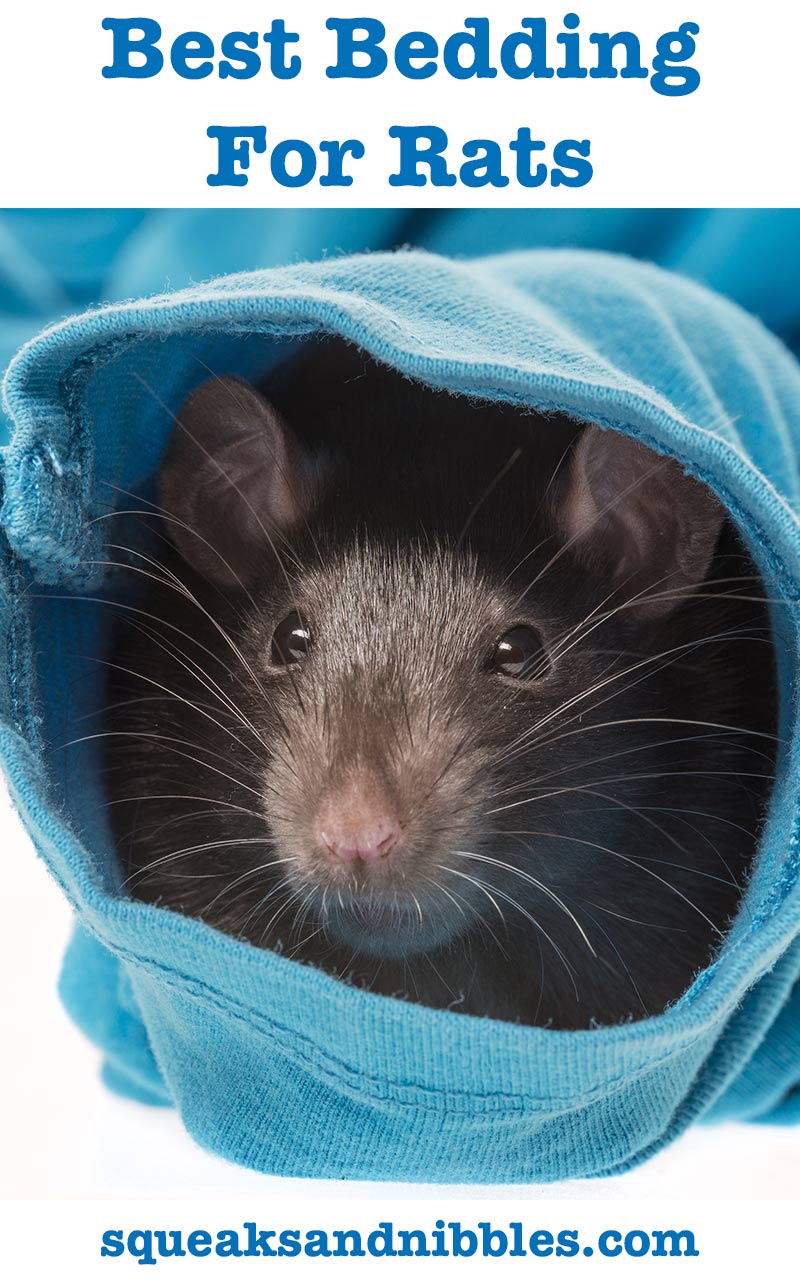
pixel 416 673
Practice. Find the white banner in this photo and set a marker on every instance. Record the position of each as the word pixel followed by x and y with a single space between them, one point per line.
pixel 435 1241
pixel 668 102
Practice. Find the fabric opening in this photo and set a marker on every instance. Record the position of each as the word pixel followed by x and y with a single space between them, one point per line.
pixel 225 1031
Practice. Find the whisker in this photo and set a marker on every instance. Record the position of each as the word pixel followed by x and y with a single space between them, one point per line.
pixel 593 844
pixel 523 911
pixel 160 737
pixel 522 875
pixel 190 850
pixel 481 501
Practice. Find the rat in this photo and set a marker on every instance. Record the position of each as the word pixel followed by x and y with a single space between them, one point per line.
pixel 457 701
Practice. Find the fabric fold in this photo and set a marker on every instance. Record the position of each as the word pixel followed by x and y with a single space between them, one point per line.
pixel 270 1062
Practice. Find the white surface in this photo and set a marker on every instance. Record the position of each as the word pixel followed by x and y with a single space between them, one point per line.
pixel 65 1136
pixel 143 141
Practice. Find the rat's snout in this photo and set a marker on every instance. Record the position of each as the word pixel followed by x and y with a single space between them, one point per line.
pixel 358 822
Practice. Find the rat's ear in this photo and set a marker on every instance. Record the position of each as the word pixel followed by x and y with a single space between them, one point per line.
pixel 640 517
pixel 232 479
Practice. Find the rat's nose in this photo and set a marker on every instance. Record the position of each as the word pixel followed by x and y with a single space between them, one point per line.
pixel 354 824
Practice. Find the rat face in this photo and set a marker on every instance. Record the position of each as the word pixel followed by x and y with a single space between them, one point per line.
pixel 435 690
pixel 398 679
pixel 408 682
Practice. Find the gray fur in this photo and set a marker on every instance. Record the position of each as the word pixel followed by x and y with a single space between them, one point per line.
pixel 570 855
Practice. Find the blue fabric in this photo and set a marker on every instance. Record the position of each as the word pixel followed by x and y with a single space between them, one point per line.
pixel 272 1063
pixel 53 262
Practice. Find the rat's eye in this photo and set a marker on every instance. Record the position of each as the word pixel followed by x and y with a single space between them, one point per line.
pixel 291 641
pixel 519 653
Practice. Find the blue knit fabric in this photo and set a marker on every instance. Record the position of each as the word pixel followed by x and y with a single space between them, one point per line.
pixel 270 1062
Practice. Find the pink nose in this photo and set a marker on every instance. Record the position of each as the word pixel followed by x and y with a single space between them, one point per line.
pixel 352 826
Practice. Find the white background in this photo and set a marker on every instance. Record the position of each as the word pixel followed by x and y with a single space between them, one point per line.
pixel 72 138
